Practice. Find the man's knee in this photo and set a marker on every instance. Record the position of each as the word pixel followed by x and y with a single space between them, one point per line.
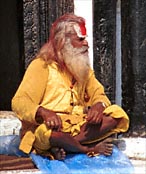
pixel 111 120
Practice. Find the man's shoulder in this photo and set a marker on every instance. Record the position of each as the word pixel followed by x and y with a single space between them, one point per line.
pixel 40 62
pixel 37 63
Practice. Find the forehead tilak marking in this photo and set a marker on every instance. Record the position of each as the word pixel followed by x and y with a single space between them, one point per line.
pixel 83 28
pixel 80 30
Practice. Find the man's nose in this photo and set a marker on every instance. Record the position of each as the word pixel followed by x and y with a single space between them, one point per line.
pixel 85 42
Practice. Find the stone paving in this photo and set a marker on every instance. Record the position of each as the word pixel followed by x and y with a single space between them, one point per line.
pixel 133 147
pixel 136 151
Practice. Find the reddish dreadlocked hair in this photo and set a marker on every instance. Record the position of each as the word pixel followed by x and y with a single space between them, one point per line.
pixel 60 29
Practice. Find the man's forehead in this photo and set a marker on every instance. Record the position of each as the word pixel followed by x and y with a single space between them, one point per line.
pixel 80 29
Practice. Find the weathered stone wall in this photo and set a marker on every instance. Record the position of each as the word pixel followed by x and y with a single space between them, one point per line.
pixel 11 50
pixel 134 62
pixel 38 17
pixel 133 45
pixel 104 34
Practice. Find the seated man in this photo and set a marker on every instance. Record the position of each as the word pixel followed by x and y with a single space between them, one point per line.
pixel 62 106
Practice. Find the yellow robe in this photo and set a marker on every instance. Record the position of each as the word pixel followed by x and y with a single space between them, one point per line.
pixel 47 86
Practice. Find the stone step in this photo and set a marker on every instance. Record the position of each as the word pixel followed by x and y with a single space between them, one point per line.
pixel 9 123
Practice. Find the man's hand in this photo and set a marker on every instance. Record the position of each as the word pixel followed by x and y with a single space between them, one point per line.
pixel 50 118
pixel 95 113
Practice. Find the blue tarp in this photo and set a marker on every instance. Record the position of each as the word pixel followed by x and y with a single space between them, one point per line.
pixel 117 163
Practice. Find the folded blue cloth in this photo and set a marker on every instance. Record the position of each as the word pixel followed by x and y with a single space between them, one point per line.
pixel 117 163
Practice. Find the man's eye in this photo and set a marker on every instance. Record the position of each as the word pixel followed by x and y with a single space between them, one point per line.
pixel 81 38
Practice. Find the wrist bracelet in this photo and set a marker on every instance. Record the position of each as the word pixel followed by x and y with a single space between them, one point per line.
pixel 103 104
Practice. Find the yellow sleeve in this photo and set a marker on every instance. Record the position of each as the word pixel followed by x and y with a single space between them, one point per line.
pixel 95 91
pixel 31 90
pixel 116 111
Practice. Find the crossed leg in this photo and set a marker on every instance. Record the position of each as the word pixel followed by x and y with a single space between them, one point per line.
pixel 64 142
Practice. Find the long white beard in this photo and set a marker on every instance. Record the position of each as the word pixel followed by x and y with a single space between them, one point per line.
pixel 77 62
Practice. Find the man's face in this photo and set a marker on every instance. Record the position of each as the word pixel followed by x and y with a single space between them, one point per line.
pixel 78 42
pixel 75 55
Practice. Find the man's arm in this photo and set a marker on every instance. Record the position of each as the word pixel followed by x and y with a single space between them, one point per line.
pixel 95 113
pixel 50 118
pixel 26 101
pixel 95 91
pixel 98 100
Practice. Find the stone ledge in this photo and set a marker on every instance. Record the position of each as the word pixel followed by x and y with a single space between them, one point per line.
pixel 9 123
pixel 135 148
pixel 7 114
pixel 139 166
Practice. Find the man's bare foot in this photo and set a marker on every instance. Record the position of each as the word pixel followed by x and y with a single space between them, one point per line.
pixel 105 147
pixel 58 153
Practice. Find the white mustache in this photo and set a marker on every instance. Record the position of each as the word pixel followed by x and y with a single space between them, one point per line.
pixel 82 50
